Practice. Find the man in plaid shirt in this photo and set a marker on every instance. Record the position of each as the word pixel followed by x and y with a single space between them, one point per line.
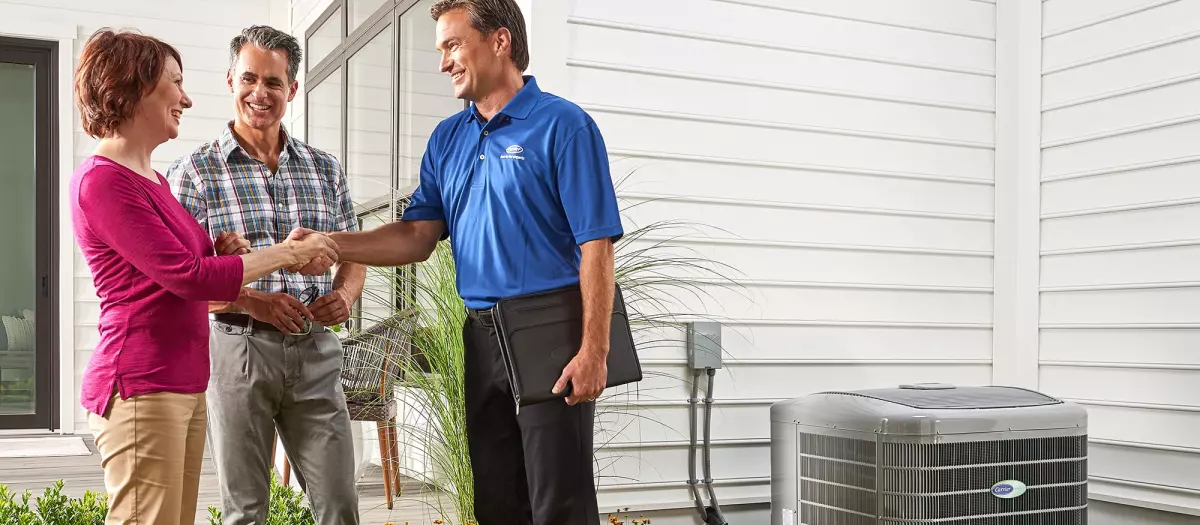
pixel 275 365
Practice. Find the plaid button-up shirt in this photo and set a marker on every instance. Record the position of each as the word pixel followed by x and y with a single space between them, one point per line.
pixel 227 190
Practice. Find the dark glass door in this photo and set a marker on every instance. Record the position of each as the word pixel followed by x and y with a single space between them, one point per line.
pixel 28 232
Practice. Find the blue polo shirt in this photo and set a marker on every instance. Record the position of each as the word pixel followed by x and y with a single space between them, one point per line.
pixel 519 194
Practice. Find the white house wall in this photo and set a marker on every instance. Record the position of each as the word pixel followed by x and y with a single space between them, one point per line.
pixel 844 155
pixel 843 152
pixel 1120 201
pixel 840 156
pixel 202 37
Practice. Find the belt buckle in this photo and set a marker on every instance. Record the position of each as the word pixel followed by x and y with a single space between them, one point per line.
pixel 487 317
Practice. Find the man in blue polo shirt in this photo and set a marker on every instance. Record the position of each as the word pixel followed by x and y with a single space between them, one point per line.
pixel 519 182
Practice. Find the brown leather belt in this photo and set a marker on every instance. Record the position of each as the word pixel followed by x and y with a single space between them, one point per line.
pixel 245 320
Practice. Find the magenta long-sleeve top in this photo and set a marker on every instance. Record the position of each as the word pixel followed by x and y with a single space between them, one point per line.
pixel 154 270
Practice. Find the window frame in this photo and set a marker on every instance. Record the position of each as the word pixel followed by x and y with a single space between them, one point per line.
pixel 43 56
pixel 337 62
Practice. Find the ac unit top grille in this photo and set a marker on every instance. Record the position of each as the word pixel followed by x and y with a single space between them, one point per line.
pixel 945 397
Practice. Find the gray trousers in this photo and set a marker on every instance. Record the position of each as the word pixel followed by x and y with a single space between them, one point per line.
pixel 262 381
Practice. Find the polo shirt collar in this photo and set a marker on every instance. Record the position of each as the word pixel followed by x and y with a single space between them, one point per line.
pixel 228 143
pixel 522 104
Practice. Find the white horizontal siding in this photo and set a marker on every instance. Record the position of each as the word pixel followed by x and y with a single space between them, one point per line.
pixel 771 220
pixel 1119 296
pixel 954 17
pixel 750 62
pixel 1179 264
pixel 1171 345
pixel 1164 426
pixel 840 157
pixel 1130 68
pixel 766 343
pixel 759 262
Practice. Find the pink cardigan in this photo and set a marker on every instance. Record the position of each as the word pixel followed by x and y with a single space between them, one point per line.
pixel 154 270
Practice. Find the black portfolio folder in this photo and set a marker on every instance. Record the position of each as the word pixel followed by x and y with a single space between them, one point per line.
pixel 541 332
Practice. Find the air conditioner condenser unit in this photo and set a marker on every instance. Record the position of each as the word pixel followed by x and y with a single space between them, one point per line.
pixel 928 454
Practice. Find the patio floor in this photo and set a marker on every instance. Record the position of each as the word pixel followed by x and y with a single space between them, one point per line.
pixel 80 473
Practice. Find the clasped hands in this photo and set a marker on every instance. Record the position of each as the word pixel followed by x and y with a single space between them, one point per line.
pixel 314 254
pixel 315 251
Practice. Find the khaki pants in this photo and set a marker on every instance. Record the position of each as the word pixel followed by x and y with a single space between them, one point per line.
pixel 151 447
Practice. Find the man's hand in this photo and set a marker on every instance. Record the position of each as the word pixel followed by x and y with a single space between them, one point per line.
pixel 317 266
pixel 231 243
pixel 287 313
pixel 332 308
pixel 587 373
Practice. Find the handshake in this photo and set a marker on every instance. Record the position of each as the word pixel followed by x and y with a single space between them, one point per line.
pixel 305 251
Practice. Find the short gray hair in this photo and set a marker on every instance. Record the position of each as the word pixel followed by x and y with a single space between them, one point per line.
pixel 487 16
pixel 268 38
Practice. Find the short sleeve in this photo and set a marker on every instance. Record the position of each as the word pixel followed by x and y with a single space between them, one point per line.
pixel 426 201
pixel 188 189
pixel 585 186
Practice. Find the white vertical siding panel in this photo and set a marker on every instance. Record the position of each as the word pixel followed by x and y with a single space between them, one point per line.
pixel 1119 132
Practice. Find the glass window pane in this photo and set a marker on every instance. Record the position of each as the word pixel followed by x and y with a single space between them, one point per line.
pixel 369 134
pixel 325 39
pixel 325 115
pixel 18 214
pixel 369 159
pixel 426 96
pixel 361 10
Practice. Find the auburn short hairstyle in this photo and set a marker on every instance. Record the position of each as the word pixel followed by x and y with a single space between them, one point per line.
pixel 117 69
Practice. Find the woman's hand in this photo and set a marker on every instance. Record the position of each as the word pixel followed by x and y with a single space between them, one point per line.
pixel 313 247
pixel 315 266
pixel 231 243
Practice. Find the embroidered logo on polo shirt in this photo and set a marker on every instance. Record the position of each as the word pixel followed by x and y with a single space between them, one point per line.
pixel 514 152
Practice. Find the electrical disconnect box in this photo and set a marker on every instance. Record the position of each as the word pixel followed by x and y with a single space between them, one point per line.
pixel 704 345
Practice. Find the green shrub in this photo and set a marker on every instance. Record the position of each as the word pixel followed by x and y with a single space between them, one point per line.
pixel 52 508
pixel 55 508
pixel 285 508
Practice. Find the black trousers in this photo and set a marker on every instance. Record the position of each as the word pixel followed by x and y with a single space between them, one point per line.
pixel 534 468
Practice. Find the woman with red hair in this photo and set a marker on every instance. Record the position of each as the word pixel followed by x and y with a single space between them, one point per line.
pixel 154 270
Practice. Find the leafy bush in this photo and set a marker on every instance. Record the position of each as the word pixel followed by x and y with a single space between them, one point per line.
pixel 52 508
pixel 285 508
pixel 55 508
